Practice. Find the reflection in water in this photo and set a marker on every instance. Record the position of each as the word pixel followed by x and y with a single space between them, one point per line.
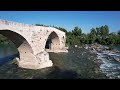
pixel 7 53
pixel 57 73
pixel 7 58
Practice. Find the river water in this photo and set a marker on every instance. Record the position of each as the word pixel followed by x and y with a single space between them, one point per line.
pixel 7 53
pixel 78 63
pixel 110 66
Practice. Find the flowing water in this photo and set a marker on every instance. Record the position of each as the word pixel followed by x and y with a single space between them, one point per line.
pixel 78 63
pixel 7 53
pixel 111 65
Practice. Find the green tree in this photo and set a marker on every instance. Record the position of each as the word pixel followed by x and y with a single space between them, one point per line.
pixel 98 32
pixel 93 32
pixel 62 29
pixel 38 24
pixel 77 31
pixel 104 30
pixel 119 32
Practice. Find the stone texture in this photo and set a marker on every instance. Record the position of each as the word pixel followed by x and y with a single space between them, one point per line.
pixel 31 40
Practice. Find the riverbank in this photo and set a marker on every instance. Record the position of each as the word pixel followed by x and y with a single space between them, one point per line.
pixel 109 59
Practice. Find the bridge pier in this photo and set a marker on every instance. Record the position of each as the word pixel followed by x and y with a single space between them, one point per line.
pixel 38 61
pixel 32 61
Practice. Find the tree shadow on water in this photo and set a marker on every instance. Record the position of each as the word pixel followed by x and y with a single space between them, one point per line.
pixel 57 73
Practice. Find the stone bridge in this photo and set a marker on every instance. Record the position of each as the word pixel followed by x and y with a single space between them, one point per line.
pixel 33 43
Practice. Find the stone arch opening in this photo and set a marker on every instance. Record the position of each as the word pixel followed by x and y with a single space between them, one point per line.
pixel 53 42
pixel 24 48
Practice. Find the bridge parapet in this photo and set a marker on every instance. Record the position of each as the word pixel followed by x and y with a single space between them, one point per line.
pixel 15 24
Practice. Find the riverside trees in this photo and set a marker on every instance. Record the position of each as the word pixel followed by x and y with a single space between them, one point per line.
pixel 98 35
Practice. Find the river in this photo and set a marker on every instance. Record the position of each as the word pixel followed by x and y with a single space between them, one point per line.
pixel 7 53
pixel 110 66
pixel 78 63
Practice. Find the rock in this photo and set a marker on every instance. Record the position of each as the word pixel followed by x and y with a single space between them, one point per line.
pixel 75 45
pixel 117 59
pixel 15 60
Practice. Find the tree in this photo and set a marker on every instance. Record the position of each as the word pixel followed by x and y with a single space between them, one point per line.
pixel 102 30
pixel 77 31
pixel 106 30
pixel 93 32
pixel 38 24
pixel 119 32
pixel 62 29
pixel 98 31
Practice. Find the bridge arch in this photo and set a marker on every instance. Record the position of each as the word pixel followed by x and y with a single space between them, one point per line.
pixel 52 41
pixel 31 42
pixel 21 43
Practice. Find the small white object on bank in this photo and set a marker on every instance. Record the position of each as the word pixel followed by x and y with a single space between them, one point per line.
pixel 75 45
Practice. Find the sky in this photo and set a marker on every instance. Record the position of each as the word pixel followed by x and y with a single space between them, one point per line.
pixel 66 19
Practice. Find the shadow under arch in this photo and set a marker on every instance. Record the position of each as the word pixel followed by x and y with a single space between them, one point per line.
pixel 53 41
pixel 20 42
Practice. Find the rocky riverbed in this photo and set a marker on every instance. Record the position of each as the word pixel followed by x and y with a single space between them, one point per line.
pixel 109 60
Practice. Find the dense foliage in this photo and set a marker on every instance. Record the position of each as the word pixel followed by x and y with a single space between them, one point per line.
pixel 98 35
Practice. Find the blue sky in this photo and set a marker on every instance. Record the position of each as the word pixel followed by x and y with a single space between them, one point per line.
pixel 66 19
